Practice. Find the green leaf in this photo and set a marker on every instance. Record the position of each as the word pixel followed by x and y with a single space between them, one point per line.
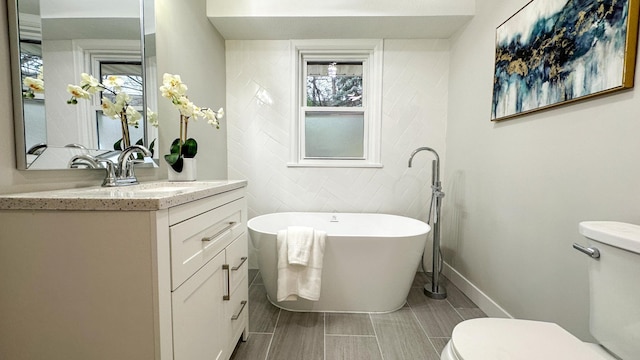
pixel 175 146
pixel 175 161
pixel 117 145
pixel 190 148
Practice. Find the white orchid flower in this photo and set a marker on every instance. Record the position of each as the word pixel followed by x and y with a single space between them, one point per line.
pixel 78 92
pixel 220 113
pixel 114 82
pixel 109 108
pixel 133 116
pixel 152 118
pixel 89 83
pixel 122 98
pixel 172 86
pixel 36 85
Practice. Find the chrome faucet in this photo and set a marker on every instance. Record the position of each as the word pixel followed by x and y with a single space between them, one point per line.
pixel 84 160
pixel 122 174
pixel 434 289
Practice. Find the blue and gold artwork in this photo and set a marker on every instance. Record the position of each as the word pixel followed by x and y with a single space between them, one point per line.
pixel 555 51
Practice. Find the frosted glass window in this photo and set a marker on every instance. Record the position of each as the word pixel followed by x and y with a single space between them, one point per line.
pixel 339 88
pixel 334 135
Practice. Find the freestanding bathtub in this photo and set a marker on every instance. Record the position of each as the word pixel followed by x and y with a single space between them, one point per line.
pixel 369 263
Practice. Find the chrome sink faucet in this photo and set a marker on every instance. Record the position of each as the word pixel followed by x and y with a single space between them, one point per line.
pixel 122 174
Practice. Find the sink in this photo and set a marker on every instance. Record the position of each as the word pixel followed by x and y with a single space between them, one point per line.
pixel 143 190
pixel 163 189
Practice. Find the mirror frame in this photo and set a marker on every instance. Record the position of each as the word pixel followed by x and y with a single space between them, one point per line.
pixel 16 82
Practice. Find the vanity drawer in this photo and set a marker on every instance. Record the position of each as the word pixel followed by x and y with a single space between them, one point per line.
pixel 237 260
pixel 237 313
pixel 197 240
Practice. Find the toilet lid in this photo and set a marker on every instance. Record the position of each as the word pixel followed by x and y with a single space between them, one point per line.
pixel 510 339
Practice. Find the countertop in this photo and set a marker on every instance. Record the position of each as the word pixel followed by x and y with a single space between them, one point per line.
pixel 144 196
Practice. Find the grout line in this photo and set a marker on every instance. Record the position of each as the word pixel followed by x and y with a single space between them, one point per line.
pixel 324 336
pixel 376 335
pixel 424 331
pixel 266 356
pixel 347 335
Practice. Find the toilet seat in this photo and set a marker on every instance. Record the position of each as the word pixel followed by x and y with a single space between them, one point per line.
pixel 511 339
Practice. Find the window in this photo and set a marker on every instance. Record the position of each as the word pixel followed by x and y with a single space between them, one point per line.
pixel 109 130
pixel 337 103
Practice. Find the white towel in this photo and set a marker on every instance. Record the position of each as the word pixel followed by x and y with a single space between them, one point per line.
pixel 297 280
pixel 299 243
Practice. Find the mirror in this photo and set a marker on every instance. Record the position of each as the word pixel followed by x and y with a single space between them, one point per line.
pixel 52 43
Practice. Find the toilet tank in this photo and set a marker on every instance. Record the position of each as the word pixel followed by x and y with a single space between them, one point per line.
pixel 614 281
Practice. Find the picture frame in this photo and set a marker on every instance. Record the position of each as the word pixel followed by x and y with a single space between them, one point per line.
pixel 553 52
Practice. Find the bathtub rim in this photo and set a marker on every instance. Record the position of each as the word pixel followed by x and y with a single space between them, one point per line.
pixel 426 231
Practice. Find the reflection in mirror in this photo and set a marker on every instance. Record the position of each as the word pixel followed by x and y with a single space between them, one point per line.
pixel 53 42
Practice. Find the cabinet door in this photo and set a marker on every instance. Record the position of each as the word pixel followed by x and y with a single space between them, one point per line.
pixel 199 326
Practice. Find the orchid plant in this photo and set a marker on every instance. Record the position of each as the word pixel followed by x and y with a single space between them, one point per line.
pixel 34 85
pixel 119 110
pixel 184 147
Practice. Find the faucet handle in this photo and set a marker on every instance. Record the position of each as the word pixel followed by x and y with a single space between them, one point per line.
pixel 110 178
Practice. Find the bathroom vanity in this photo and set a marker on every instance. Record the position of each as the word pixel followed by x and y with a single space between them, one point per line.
pixel 150 271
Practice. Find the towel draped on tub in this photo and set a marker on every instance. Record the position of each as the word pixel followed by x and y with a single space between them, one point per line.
pixel 300 252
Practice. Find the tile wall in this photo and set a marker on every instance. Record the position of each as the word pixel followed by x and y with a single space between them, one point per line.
pixel 259 112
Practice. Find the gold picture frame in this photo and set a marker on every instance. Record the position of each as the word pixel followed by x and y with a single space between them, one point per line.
pixel 553 52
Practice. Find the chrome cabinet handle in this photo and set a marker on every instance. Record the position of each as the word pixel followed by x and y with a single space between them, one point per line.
pixel 236 316
pixel 227 296
pixel 593 252
pixel 242 260
pixel 226 228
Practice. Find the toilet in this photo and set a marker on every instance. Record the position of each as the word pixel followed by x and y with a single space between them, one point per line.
pixel 614 310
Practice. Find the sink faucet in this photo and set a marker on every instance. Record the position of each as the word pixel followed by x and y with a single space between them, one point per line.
pixel 84 160
pixel 122 174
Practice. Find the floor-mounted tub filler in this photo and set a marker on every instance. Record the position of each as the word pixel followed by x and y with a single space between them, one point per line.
pixel 434 289
pixel 369 261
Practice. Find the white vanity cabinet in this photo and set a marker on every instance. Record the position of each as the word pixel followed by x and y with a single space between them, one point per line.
pixel 208 278
pixel 125 275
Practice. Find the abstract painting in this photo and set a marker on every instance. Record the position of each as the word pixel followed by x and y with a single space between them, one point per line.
pixel 556 51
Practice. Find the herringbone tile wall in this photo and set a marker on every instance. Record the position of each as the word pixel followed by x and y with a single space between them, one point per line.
pixel 259 113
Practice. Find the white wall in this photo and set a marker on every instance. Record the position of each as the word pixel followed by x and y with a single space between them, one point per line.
pixel 516 190
pixel 187 44
pixel 414 114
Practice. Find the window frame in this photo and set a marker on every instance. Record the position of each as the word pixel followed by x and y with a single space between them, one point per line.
pixel 369 51
pixel 87 55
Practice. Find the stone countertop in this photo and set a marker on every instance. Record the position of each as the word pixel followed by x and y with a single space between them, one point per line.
pixel 141 197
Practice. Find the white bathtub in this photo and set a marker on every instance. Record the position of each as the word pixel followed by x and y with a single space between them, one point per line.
pixel 370 260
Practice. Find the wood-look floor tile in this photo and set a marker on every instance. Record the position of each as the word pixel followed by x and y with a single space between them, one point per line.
pixel 420 279
pixel 438 317
pixel 439 343
pixel 352 348
pixel 458 299
pixel 401 338
pixel 298 336
pixel 348 324
pixel 262 314
pixel 258 279
pixel 252 275
pixel 255 348
pixel 471 313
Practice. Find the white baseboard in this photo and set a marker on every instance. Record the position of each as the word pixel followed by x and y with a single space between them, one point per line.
pixel 484 302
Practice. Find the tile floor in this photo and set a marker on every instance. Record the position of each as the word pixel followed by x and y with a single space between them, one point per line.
pixel 419 330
